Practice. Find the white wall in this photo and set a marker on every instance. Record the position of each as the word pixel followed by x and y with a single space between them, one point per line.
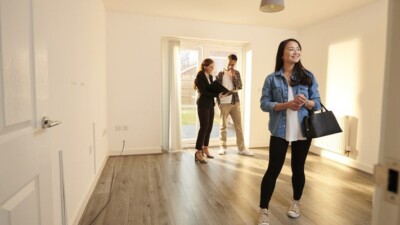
pixel 352 48
pixel 77 76
pixel 133 56
pixel 134 73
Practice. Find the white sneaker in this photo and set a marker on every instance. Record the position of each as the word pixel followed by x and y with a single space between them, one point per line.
pixel 294 210
pixel 246 152
pixel 221 151
pixel 263 218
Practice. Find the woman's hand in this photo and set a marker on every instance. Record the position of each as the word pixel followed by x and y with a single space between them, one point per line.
pixel 294 105
pixel 300 99
pixel 222 95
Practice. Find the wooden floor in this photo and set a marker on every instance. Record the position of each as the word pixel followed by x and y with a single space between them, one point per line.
pixel 170 188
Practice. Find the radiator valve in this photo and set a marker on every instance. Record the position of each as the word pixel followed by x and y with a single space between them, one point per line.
pixel 347 150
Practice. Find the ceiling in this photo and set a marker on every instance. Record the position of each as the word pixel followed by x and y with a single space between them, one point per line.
pixel 297 13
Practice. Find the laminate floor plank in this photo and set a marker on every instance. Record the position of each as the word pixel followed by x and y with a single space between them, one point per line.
pixel 178 199
pixel 118 207
pixel 161 212
pixel 203 194
pixel 100 196
pixel 139 197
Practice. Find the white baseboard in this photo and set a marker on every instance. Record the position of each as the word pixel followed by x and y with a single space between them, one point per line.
pixel 342 159
pixel 89 193
pixel 259 145
pixel 136 151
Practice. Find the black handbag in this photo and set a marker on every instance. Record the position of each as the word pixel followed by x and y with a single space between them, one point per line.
pixel 321 124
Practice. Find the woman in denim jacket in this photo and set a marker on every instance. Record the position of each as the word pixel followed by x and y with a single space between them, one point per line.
pixel 287 95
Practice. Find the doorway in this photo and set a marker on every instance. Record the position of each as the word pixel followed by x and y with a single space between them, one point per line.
pixel 191 57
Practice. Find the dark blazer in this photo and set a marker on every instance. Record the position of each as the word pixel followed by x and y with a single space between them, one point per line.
pixel 205 97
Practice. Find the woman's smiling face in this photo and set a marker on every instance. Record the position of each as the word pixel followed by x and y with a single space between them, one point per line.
pixel 292 53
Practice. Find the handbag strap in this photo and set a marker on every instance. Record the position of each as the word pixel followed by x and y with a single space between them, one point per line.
pixel 323 107
pixel 310 112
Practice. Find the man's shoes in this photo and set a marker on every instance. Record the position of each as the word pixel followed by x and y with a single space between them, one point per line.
pixel 246 152
pixel 222 151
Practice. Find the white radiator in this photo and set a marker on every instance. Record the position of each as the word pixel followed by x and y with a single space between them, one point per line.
pixel 338 143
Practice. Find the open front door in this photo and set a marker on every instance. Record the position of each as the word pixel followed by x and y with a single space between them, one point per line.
pixel 25 148
pixel 386 205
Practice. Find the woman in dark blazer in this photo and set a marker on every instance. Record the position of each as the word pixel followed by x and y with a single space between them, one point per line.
pixel 205 109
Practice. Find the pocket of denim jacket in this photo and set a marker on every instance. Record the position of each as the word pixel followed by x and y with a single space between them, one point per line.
pixel 277 94
pixel 304 90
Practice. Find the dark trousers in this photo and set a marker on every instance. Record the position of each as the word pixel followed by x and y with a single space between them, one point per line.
pixel 277 152
pixel 206 117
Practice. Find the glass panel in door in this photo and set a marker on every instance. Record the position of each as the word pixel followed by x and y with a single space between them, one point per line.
pixel 190 60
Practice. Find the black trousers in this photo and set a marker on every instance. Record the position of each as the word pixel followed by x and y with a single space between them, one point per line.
pixel 277 152
pixel 206 117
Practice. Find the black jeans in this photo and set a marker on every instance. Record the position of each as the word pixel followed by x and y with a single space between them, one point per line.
pixel 277 152
pixel 206 117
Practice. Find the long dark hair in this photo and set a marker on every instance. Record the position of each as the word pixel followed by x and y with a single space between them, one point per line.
pixel 206 62
pixel 301 77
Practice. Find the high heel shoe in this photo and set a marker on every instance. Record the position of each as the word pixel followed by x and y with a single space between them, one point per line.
pixel 197 160
pixel 207 154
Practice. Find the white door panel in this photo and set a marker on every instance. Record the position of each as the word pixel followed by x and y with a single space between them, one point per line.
pixel 25 148
pixel 16 37
pixel 23 207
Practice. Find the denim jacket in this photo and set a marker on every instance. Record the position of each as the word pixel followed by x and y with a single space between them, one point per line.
pixel 275 90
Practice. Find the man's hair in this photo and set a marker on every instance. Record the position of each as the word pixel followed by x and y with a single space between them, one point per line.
pixel 232 57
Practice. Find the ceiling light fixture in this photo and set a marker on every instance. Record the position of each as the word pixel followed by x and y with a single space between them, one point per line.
pixel 272 5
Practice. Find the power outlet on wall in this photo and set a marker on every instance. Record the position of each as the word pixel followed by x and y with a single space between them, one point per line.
pixel 121 128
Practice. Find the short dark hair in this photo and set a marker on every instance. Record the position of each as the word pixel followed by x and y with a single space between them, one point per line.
pixel 232 57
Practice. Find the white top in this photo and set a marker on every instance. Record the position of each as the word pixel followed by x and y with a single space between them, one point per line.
pixel 293 130
pixel 208 78
pixel 228 83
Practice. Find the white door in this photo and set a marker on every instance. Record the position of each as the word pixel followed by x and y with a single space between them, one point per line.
pixel 25 148
pixel 385 211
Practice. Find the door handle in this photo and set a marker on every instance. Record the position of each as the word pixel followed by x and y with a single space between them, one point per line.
pixel 47 123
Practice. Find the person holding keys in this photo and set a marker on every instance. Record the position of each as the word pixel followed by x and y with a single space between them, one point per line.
pixel 287 95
